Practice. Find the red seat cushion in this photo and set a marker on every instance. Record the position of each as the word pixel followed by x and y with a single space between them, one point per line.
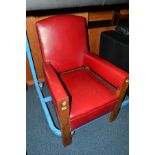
pixel 90 96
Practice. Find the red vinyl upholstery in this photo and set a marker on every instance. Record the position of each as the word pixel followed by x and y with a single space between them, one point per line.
pixel 63 41
pixel 64 47
pixel 55 86
pixel 106 70
pixel 90 97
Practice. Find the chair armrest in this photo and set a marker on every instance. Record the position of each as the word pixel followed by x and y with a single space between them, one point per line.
pixel 106 70
pixel 61 101
pixel 54 84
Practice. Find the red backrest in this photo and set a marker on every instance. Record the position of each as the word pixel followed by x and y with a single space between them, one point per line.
pixel 63 41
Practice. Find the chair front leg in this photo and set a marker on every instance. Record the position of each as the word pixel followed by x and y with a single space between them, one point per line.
pixel 121 94
pixel 63 114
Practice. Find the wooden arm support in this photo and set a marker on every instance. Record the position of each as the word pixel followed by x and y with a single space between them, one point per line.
pixel 63 115
pixel 121 94
pixel 60 101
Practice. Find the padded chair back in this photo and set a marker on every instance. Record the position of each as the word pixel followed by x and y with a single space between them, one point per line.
pixel 63 41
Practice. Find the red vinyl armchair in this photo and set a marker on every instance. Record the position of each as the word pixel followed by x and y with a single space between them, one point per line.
pixel 83 86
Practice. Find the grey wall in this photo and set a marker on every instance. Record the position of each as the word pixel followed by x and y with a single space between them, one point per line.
pixel 54 4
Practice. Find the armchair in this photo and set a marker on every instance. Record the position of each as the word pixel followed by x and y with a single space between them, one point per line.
pixel 83 86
